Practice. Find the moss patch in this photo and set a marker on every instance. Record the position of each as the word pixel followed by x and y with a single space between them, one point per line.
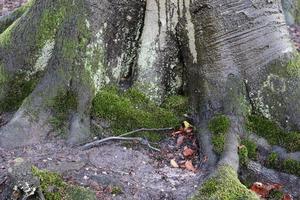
pixel 219 127
pixel 273 133
pixel 288 166
pixel 293 66
pixel 131 110
pixel 251 148
pixel 225 185
pixel 177 104
pixel 62 105
pixel 243 155
pixel 54 188
pixel 16 90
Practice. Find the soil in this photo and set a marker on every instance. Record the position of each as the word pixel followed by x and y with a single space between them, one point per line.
pixel 135 170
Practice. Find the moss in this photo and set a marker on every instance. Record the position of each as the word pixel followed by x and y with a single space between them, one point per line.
pixel 293 66
pixel 273 133
pixel 16 90
pixel 224 185
pixel 131 110
pixel 177 104
pixel 54 187
pixel 5 37
pixel 276 195
pixel 219 127
pixel 289 166
pixel 243 155
pixel 49 23
pixel 219 124
pixel 251 147
pixel 79 193
pixel 273 160
pixel 218 141
pixel 6 21
pixel 62 105
pixel 116 190
pixel 50 180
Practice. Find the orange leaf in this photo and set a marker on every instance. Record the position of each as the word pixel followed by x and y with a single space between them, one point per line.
pixel 263 190
pixel 180 140
pixel 287 197
pixel 177 133
pixel 189 166
pixel 187 152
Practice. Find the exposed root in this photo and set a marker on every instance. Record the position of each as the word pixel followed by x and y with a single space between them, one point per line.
pixel 256 172
pixel 123 137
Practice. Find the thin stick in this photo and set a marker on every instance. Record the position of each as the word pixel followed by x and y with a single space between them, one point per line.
pixel 122 137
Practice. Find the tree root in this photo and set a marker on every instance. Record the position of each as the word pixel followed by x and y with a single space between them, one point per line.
pixel 123 137
pixel 139 139
pixel 256 172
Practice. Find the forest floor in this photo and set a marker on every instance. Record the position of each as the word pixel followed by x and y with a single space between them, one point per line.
pixel 114 170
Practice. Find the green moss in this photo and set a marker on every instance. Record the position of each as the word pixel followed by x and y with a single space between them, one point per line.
pixel 293 66
pixel 49 23
pixel 116 190
pixel 224 185
pixel 219 127
pixel 219 124
pixel 5 37
pixel 289 166
pixel 251 147
pixel 276 195
pixel 218 141
pixel 62 105
pixel 54 188
pixel 273 160
pixel 177 104
pixel 243 156
pixel 50 180
pixel 79 193
pixel 16 89
pixel 273 133
pixel 131 110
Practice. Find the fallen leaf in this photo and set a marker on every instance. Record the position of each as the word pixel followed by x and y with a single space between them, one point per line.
pixel 174 163
pixel 177 133
pixel 188 130
pixel 287 197
pixel 186 125
pixel 189 166
pixel 263 190
pixel 180 140
pixel 187 151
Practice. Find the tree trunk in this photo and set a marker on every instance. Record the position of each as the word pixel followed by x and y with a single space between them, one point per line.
pixel 230 57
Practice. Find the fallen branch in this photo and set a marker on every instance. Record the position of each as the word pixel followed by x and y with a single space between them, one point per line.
pixel 123 137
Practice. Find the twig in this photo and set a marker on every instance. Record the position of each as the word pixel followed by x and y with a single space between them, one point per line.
pixel 122 137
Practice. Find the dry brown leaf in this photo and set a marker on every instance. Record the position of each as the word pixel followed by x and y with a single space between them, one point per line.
pixel 287 197
pixel 189 166
pixel 177 133
pixel 180 140
pixel 187 151
pixel 174 163
pixel 263 190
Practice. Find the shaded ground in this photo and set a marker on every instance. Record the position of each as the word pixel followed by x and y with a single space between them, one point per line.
pixel 135 173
